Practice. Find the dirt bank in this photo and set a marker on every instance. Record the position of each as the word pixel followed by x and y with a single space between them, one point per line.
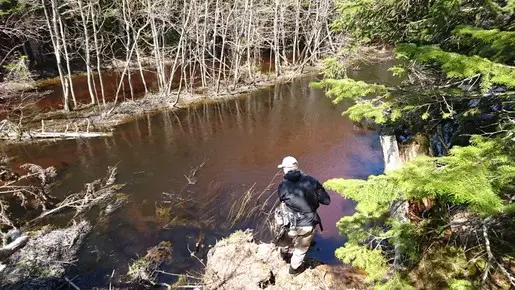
pixel 100 120
pixel 86 120
pixel 238 262
pixel 42 263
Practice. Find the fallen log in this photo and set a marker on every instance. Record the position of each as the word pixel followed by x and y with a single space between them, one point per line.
pixel 52 135
pixel 14 246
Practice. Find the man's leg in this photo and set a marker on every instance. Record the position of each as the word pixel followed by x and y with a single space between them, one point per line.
pixel 284 242
pixel 301 246
pixel 285 245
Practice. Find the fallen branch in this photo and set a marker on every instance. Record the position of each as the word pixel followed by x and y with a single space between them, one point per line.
pixel 95 193
pixel 12 247
pixel 489 252
pixel 50 135
pixel 178 275
pixel 12 131
pixel 71 283
pixel 506 273
pixel 491 258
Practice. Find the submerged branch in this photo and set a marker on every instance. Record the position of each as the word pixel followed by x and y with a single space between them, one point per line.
pixel 96 192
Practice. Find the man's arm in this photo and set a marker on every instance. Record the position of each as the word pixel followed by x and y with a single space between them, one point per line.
pixel 322 195
pixel 281 192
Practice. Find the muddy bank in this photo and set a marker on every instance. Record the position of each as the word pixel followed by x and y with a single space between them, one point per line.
pixel 95 120
pixel 238 262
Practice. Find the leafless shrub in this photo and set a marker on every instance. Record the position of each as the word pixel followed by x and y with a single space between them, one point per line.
pixel 100 191
pixel 30 189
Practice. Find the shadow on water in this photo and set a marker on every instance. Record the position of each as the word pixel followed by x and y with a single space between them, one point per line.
pixel 184 169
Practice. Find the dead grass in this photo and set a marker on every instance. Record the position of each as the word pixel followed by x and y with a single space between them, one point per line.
pixel 252 205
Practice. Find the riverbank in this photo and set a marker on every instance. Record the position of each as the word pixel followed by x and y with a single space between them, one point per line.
pixel 240 142
pixel 43 261
pixel 238 262
pixel 100 120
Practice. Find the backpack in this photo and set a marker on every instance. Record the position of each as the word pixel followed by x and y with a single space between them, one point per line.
pixel 284 221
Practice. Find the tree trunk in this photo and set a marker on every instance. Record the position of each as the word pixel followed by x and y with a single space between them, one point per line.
pixel 89 73
pixel 65 50
pixel 128 27
pixel 56 43
pixel 296 33
pixel 250 43
pixel 277 55
pixel 97 53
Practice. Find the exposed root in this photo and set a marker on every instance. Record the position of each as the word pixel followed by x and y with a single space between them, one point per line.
pixel 97 192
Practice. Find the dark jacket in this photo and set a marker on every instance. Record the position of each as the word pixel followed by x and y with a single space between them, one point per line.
pixel 303 194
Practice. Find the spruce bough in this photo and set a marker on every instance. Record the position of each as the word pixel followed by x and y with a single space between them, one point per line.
pixel 458 228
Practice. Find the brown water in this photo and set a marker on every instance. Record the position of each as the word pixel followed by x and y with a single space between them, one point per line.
pixel 240 142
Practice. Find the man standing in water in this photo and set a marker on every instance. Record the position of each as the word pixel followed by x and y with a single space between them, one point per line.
pixel 300 197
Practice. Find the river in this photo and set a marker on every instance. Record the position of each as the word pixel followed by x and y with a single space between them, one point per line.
pixel 239 142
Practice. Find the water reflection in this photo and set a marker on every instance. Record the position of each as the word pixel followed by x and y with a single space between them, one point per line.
pixel 240 143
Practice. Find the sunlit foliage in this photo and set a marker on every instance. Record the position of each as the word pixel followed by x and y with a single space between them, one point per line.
pixel 456 61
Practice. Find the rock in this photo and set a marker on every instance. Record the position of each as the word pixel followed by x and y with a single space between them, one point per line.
pixel 238 262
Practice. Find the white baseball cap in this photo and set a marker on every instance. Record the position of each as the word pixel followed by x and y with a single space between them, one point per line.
pixel 289 162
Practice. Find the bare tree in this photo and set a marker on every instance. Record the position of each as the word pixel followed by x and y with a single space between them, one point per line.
pixel 85 19
pixel 56 43
pixel 218 43
pixel 94 7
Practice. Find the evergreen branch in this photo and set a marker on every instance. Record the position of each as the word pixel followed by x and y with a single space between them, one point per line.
pixel 460 81
pixel 456 65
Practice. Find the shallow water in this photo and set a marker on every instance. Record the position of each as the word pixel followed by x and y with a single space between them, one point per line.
pixel 240 143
